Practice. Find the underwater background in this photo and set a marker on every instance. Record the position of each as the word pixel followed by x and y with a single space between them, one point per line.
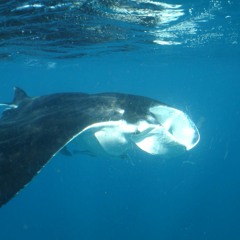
pixel 184 53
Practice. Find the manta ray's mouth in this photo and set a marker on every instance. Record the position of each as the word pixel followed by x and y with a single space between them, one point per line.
pixel 175 132
pixel 178 124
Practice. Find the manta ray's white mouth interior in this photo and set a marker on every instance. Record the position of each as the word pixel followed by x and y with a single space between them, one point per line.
pixel 174 132
pixel 178 124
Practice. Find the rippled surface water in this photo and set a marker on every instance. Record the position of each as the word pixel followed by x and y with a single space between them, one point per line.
pixel 71 29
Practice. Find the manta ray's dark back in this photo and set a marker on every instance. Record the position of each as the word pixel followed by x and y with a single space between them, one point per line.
pixel 33 130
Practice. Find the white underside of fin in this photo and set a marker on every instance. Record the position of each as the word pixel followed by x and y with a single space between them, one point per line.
pixel 107 138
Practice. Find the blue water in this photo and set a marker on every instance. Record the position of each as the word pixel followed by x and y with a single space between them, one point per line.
pixel 188 57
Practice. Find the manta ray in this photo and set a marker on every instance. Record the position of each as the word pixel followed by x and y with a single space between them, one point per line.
pixel 34 129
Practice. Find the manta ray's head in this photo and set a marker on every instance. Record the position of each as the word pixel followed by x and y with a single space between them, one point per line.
pixel 165 131
pixel 156 130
